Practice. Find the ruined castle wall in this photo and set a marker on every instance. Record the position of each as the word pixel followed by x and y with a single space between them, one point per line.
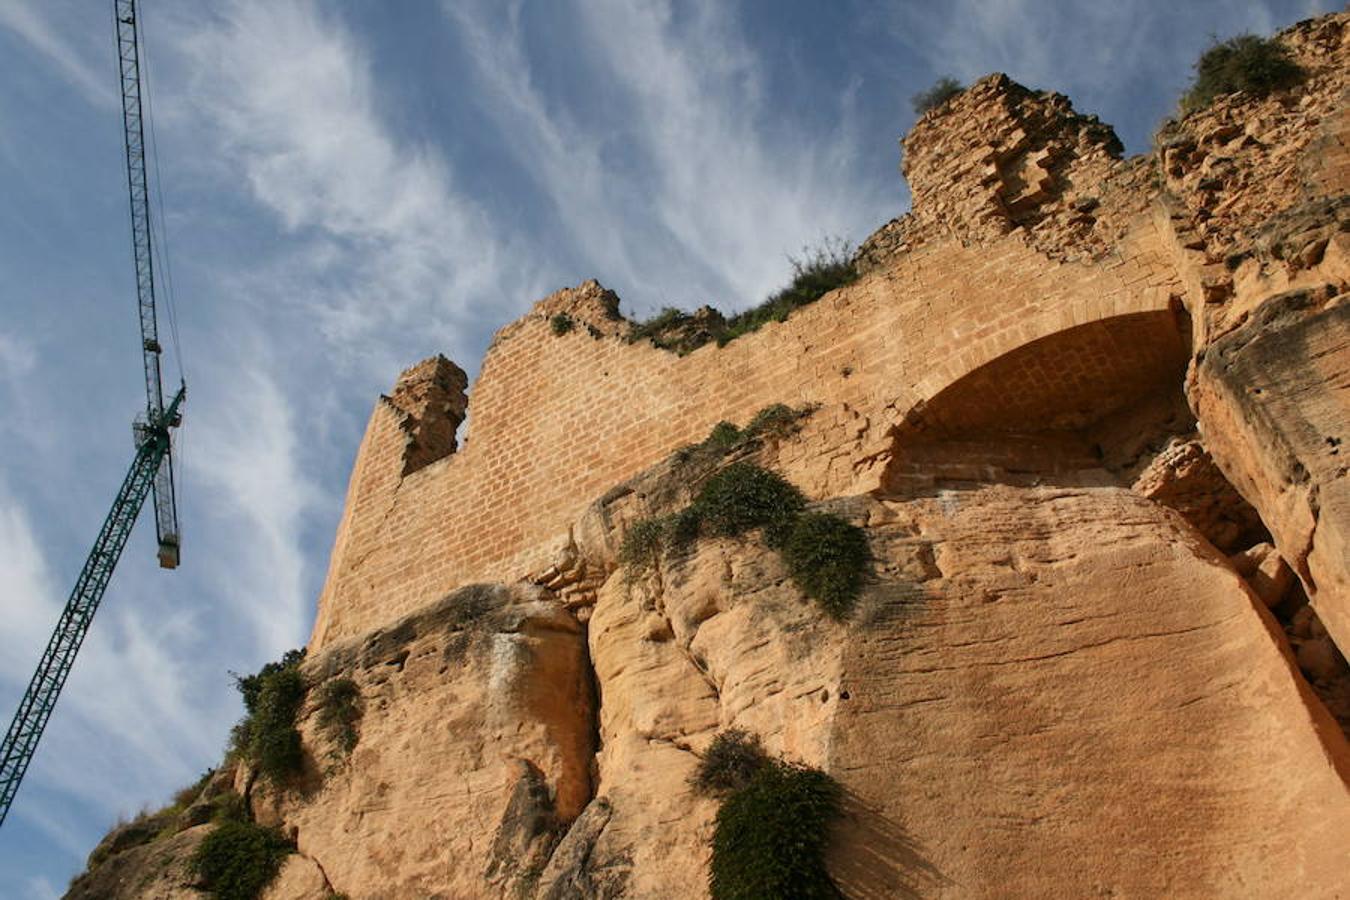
pixel 1026 224
pixel 559 419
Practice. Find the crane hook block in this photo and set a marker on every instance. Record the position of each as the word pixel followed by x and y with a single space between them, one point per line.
pixel 168 552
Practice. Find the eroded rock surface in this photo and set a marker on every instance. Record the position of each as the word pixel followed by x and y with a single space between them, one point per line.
pixel 1273 397
pixel 1083 667
pixel 471 710
pixel 150 871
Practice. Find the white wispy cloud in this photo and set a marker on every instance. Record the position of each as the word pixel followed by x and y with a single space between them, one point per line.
pixel 30 593
pixel 383 237
pixel 728 187
pixel 17 356
pixel 563 156
pixel 714 197
pixel 244 468
pixel 25 20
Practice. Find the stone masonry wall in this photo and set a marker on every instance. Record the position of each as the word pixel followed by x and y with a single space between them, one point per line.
pixel 559 419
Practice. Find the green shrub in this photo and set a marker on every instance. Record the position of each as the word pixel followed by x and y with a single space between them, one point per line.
pixel 561 323
pixel 743 496
pixel 770 837
pixel 723 437
pixel 238 859
pixel 267 735
pixel 339 711
pixel 820 270
pixel 827 557
pixel 652 329
pixel 779 420
pixel 1247 63
pixel 945 89
pixel 682 529
pixel 251 686
pixel 643 543
pixel 732 760
pixel 231 807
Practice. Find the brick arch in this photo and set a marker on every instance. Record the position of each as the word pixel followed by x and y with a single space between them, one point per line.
pixel 1058 370
pixel 1076 406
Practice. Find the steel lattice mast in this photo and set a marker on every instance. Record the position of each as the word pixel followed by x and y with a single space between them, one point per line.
pixel 151 471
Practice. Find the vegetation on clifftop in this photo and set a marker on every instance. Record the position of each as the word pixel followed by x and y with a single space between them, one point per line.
pixel 1246 63
pixel 815 273
pixel 945 89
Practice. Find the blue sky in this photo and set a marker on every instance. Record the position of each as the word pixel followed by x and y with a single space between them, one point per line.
pixel 350 187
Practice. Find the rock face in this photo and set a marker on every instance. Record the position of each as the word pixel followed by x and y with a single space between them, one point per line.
pixel 1089 414
pixel 475 746
pixel 1080 668
pixel 1275 394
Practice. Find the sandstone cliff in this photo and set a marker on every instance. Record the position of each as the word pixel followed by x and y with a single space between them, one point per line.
pixel 1089 414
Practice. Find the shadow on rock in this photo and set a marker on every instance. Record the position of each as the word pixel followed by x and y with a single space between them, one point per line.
pixel 872 857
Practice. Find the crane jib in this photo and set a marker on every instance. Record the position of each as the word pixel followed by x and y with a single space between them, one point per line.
pixel 133 134
pixel 151 471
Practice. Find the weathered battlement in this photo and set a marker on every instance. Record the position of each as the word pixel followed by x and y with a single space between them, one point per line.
pixel 431 396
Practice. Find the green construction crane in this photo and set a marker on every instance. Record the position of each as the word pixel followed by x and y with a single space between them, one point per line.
pixel 151 471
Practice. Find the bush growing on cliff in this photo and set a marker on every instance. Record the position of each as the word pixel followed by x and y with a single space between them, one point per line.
pixel 730 763
pixel 239 858
pixel 561 323
pixel 826 557
pixel 643 543
pixel 778 419
pixel 339 712
pixel 723 437
pixel 771 835
pixel 267 735
pixel 945 89
pixel 744 496
pixel 775 420
pixel 1247 63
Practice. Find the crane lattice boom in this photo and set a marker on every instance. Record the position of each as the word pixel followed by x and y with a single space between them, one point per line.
pixel 36 707
pixel 151 471
pixel 133 133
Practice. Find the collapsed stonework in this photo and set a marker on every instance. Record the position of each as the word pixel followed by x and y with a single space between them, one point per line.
pixel 1089 412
